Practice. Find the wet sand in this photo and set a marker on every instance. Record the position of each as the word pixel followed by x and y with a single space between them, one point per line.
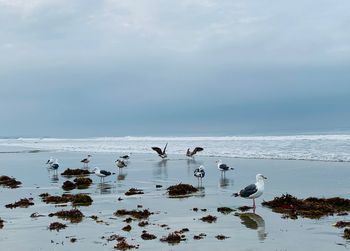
pixel 264 230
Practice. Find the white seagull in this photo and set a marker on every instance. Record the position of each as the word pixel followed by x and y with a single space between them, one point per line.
pixel 55 164
pixel 223 167
pixel 253 191
pixel 190 153
pixel 199 173
pixel 101 173
pixel 86 160
pixel 50 161
pixel 161 153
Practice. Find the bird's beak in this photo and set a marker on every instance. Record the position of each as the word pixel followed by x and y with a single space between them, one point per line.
pixel 264 177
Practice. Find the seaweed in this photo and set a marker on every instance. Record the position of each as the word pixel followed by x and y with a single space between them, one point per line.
pixel 225 210
pixel 115 237
pixel 36 215
pixel 148 236
pixel 23 203
pixel 199 237
pixel 221 237
pixel 82 182
pixel 143 223
pixel 123 245
pixel 209 218
pixel 342 224
pixel 133 191
pixel 181 189
pixel 75 199
pixel 346 233
pixel 134 213
pixel 173 238
pixel 68 185
pixel 75 172
pixel 313 208
pixel 74 215
pixel 245 208
pixel 1 223
pixel 57 226
pixel 9 182
pixel 127 228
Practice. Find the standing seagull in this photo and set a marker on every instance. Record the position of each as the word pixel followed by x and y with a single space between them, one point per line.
pixel 50 161
pixel 190 153
pixel 161 153
pixel 223 167
pixel 86 160
pixel 125 157
pixel 199 173
pixel 253 191
pixel 120 163
pixel 55 165
pixel 101 173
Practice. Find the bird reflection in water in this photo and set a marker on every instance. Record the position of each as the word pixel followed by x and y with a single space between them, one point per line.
pixel 200 193
pixel 121 176
pixel 225 182
pixel 54 178
pixel 161 169
pixel 104 188
pixel 255 222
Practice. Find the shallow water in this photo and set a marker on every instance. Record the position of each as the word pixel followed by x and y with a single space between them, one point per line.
pixel 264 230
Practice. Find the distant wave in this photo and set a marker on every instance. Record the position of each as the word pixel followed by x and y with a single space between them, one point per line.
pixel 292 147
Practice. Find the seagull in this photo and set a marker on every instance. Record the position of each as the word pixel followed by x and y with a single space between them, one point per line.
pixel 50 161
pixel 125 157
pixel 55 164
pixel 101 173
pixel 161 153
pixel 190 153
pixel 120 163
pixel 253 191
pixel 223 167
pixel 86 160
pixel 199 173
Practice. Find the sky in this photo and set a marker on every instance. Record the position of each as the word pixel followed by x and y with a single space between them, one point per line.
pixel 86 68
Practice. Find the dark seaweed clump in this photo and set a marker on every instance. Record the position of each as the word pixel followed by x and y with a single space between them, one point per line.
pixel 7 181
pixel 82 182
pixel 123 245
pixel 209 219
pixel 346 233
pixel 75 199
pixel 199 237
pixel 143 223
pixel 225 210
pixel 75 172
pixel 1 223
pixel 57 226
pixel 134 213
pixel 173 238
pixel 127 228
pixel 23 203
pixel 244 208
pixel 313 208
pixel 148 236
pixel 181 190
pixel 74 215
pixel 221 237
pixel 342 224
pixel 68 185
pixel 133 191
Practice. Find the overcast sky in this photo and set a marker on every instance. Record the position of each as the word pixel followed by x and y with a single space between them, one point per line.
pixel 83 68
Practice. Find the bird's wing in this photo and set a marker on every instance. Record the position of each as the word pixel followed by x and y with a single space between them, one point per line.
pixel 224 167
pixel 248 190
pixel 165 148
pixel 197 149
pixel 105 172
pixel 158 150
pixel 83 160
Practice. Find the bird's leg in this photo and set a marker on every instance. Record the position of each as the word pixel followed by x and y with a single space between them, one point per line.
pixel 254 204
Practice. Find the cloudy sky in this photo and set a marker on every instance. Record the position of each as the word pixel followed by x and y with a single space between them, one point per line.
pixel 83 68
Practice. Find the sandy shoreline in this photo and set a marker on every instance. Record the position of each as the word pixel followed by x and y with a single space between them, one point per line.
pixel 300 178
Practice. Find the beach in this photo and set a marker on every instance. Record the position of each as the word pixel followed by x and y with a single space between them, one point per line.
pixel 264 230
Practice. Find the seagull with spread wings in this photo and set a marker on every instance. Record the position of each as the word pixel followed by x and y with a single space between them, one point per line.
pixel 161 153
pixel 190 153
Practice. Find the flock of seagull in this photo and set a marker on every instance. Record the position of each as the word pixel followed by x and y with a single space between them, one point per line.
pixel 251 191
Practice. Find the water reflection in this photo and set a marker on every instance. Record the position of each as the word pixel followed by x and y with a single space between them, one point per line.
pixel 104 188
pixel 225 182
pixel 121 176
pixel 200 193
pixel 161 170
pixel 54 178
pixel 162 163
pixel 255 222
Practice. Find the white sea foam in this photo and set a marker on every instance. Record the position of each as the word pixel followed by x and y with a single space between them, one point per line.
pixel 297 147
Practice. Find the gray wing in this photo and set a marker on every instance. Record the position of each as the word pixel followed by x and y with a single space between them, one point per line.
pixel 197 149
pixel 249 190
pixel 105 172
pixel 165 148
pixel 224 167
pixel 158 150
